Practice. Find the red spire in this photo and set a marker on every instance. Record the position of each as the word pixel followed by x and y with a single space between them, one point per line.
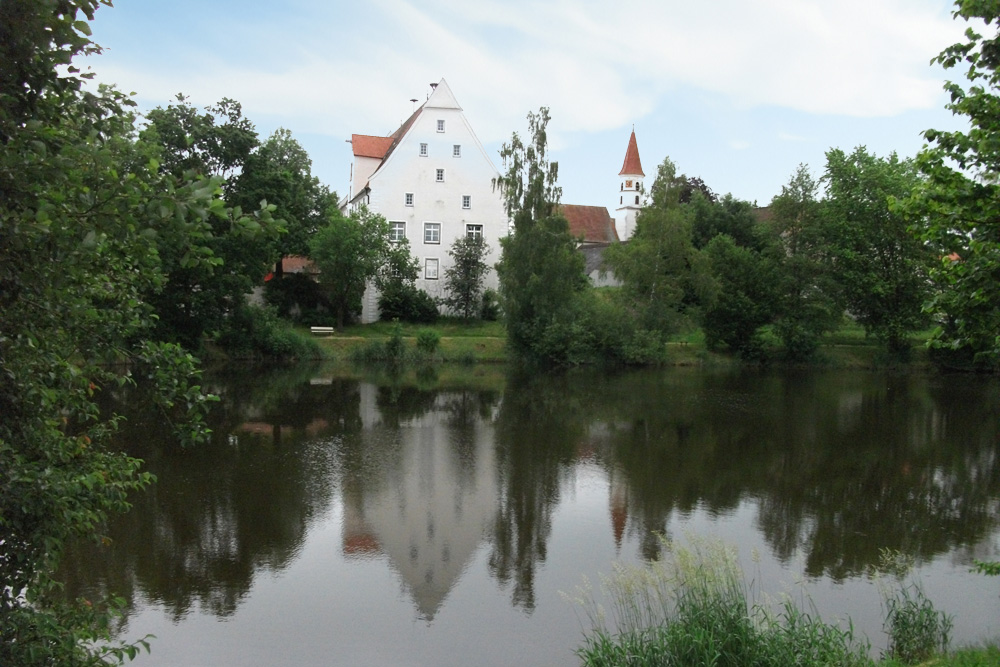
pixel 632 165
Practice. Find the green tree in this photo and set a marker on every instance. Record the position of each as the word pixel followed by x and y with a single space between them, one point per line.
pixel 349 253
pixel 464 279
pixel 217 142
pixel 82 205
pixel 541 274
pixel 958 205
pixel 280 173
pixel 665 279
pixel 746 297
pixel 880 266
pixel 806 296
pixel 209 275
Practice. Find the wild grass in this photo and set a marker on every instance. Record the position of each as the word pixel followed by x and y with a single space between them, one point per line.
pixel 694 608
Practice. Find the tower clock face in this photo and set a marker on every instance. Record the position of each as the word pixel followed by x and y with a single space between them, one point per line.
pixel 628 184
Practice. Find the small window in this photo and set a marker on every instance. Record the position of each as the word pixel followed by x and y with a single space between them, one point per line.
pixel 397 232
pixel 431 269
pixel 474 231
pixel 440 176
pixel 637 200
pixel 456 150
pixel 423 150
pixel 622 188
pixel 466 201
pixel 440 125
pixel 621 200
pixel 408 199
pixel 432 232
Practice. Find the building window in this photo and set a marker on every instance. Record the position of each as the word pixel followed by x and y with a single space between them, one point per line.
pixel 474 231
pixel 397 232
pixel 456 150
pixel 440 125
pixel 423 150
pixel 432 232
pixel 637 200
pixel 440 176
pixel 431 269
pixel 466 201
pixel 408 199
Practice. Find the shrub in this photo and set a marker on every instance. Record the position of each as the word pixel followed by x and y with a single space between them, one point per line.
pixel 407 303
pixel 295 296
pixel 490 310
pixel 428 341
pixel 257 333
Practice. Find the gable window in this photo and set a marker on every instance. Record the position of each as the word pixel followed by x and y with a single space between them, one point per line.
pixel 408 199
pixel 423 150
pixel 456 150
pixel 474 231
pixel 440 176
pixel 440 125
pixel 431 269
pixel 397 231
pixel 432 232
pixel 466 201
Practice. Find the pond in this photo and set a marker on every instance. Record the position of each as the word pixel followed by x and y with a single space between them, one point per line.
pixel 441 519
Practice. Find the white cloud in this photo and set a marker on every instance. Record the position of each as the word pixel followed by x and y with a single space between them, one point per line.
pixel 598 66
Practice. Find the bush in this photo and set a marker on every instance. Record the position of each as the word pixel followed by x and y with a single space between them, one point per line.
pixel 406 303
pixel 490 310
pixel 258 333
pixel 428 341
pixel 294 296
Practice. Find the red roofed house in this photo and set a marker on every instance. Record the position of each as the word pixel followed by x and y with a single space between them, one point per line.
pixel 433 182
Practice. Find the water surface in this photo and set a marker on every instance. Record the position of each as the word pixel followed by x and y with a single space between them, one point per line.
pixel 436 520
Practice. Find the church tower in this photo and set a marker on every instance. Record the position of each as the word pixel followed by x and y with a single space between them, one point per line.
pixel 631 196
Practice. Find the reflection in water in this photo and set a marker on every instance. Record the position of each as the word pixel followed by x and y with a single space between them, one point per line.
pixel 835 467
pixel 419 486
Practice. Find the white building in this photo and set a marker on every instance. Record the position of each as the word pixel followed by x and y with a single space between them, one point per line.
pixel 433 181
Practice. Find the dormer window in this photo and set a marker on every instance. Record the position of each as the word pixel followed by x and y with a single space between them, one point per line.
pixel 440 125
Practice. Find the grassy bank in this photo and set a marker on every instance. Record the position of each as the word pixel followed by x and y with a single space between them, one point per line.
pixel 485 342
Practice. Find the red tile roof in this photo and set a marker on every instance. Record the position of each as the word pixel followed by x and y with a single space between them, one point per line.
pixel 298 264
pixel 632 165
pixel 593 223
pixel 368 146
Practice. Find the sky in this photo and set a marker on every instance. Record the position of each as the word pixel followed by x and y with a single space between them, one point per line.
pixel 735 92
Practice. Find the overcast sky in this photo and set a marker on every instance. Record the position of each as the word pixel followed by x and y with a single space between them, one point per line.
pixel 737 92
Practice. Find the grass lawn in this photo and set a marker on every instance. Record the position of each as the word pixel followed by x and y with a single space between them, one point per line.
pixel 485 342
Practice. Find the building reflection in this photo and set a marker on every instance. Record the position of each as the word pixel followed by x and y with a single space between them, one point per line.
pixel 428 501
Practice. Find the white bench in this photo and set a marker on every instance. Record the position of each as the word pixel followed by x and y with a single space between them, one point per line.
pixel 322 331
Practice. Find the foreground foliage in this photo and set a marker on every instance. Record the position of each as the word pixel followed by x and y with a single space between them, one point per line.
pixel 84 213
pixel 694 609
pixel 957 208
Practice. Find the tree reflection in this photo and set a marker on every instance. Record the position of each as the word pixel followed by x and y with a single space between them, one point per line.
pixel 222 511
